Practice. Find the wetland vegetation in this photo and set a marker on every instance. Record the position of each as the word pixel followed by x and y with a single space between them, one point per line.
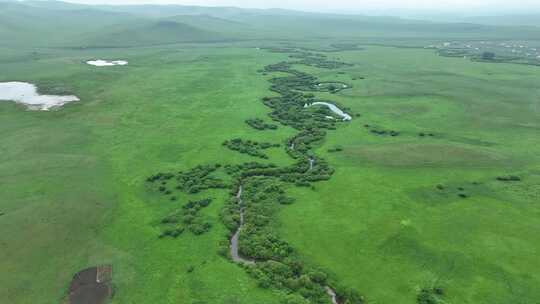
pixel 267 157
pixel 259 124
pixel 249 147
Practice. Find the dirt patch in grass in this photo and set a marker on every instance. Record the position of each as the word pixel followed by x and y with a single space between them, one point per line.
pixel 91 286
pixel 414 155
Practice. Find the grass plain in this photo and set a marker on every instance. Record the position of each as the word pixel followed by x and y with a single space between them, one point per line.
pixel 73 180
pixel 396 232
pixel 73 193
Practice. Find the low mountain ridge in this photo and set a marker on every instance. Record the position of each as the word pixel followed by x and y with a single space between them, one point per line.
pixel 153 33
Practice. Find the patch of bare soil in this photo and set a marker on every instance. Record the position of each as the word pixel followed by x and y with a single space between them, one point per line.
pixel 91 286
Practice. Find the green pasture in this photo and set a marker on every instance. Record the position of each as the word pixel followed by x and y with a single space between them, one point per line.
pixel 73 190
pixel 381 225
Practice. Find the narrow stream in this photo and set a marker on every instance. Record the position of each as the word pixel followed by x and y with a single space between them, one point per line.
pixel 311 163
pixel 332 294
pixel 234 240
pixel 234 245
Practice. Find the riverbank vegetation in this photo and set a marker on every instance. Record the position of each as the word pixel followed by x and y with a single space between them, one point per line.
pixel 509 178
pixel 276 264
pixel 430 296
pixel 187 218
pixel 192 181
pixel 259 124
pixel 249 147
pixel 384 132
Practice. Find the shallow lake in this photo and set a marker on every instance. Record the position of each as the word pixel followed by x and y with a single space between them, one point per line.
pixel 26 93
pixel 334 109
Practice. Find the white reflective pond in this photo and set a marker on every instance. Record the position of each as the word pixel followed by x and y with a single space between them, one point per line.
pixel 26 93
pixel 102 63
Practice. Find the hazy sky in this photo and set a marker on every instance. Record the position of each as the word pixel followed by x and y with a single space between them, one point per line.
pixel 356 5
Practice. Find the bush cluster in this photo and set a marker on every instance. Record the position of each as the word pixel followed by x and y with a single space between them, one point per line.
pixel 509 178
pixel 381 132
pixel 259 124
pixel 317 60
pixel 193 181
pixel 290 275
pixel 249 147
pixel 430 296
pixel 187 218
pixel 322 63
pixel 335 149
pixel 236 170
pixel 385 132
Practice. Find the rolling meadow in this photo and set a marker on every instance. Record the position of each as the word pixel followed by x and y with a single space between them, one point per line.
pixel 429 207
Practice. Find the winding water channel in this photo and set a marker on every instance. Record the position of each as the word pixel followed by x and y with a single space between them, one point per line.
pixel 333 108
pixel 234 241
pixel 237 258
pixel 235 255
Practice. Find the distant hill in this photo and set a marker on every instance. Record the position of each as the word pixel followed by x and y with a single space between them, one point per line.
pixel 54 23
pixel 22 24
pixel 164 11
pixel 215 24
pixel 508 20
pixel 60 24
pixel 152 33
pixel 53 4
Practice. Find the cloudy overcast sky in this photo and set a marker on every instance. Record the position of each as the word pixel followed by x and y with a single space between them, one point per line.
pixel 356 5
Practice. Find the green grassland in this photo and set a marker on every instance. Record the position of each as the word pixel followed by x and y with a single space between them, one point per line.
pixel 73 189
pixel 396 232
pixel 72 181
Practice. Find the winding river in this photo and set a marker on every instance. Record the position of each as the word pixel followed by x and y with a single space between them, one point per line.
pixel 241 260
pixel 234 240
pixel 332 294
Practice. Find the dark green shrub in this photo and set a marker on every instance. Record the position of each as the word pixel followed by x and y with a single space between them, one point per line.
pixel 509 178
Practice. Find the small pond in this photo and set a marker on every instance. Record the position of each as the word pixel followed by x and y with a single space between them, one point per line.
pixel 27 94
pixel 103 63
